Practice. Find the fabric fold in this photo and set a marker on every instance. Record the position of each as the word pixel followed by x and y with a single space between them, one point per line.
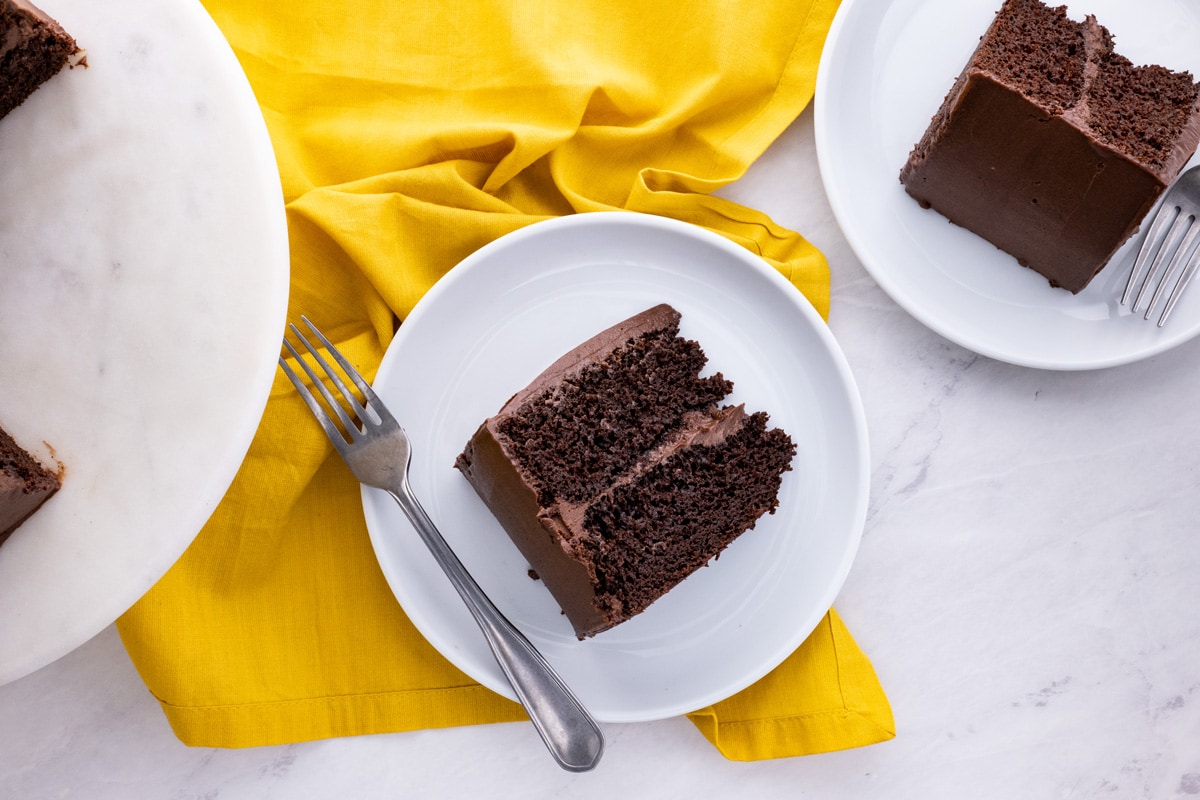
pixel 407 136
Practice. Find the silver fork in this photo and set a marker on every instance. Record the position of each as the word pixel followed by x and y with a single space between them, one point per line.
pixel 1173 233
pixel 377 451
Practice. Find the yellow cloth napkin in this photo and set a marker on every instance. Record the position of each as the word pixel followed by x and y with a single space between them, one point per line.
pixel 408 134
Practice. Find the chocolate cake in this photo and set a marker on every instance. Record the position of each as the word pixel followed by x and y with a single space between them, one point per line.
pixel 1051 145
pixel 24 485
pixel 617 472
pixel 33 49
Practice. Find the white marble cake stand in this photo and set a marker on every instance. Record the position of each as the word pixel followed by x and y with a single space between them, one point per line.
pixel 143 287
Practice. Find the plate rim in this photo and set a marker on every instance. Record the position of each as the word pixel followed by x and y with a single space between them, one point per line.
pixel 861 456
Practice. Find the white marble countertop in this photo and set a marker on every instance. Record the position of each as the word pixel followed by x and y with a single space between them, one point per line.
pixel 1028 589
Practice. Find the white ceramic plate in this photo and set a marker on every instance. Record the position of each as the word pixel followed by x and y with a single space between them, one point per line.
pixel 143 287
pixel 886 67
pixel 507 312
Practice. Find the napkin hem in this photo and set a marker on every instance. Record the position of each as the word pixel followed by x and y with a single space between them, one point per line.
pixel 302 719
pixel 790 737
pixel 858 715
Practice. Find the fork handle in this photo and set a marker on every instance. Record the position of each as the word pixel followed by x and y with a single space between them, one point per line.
pixel 570 733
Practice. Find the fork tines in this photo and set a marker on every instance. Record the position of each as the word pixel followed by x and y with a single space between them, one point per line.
pixel 359 409
pixel 1169 256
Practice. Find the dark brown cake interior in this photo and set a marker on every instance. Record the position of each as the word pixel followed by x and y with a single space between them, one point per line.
pixel 24 485
pixel 577 437
pixel 1039 49
pixel 33 48
pixel 1140 110
pixel 646 536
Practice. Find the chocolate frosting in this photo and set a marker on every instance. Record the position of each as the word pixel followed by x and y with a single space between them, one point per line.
pixel 1040 185
pixel 1070 201
pixel 660 317
pixel 18 502
pixel 27 24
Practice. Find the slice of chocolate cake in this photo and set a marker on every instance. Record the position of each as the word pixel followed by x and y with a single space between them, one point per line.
pixel 24 485
pixel 617 474
pixel 1052 146
pixel 33 49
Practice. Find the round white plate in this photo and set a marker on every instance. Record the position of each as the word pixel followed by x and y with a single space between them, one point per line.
pixel 509 310
pixel 143 287
pixel 886 67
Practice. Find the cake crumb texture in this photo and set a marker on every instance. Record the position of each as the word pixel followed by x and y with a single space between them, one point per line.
pixel 1039 49
pixel 579 435
pixel 682 513
pixel 33 48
